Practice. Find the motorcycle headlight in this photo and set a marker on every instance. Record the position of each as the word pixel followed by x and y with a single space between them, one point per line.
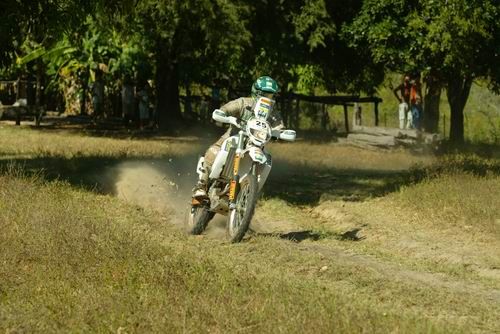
pixel 258 131
pixel 261 135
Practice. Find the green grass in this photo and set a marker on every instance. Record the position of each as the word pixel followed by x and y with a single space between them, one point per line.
pixel 23 142
pixel 77 261
pixel 475 208
pixel 344 241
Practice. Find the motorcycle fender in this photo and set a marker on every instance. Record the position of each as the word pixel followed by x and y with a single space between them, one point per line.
pixel 221 157
pixel 262 170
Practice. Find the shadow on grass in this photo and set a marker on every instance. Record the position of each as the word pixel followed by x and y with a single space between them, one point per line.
pixel 483 150
pixel 117 128
pixel 312 185
pixel 297 185
pixel 299 236
pixel 294 183
pixel 100 174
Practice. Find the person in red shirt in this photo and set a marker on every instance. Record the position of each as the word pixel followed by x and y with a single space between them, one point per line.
pixel 416 101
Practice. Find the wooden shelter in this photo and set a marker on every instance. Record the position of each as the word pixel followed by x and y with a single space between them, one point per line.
pixel 291 115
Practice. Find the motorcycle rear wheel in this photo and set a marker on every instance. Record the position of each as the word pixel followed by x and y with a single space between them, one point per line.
pixel 198 219
pixel 240 217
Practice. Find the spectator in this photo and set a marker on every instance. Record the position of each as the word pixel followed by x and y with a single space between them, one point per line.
pixel 404 116
pixel 98 94
pixel 143 95
pixel 204 108
pixel 357 114
pixel 416 102
pixel 128 102
pixel 402 92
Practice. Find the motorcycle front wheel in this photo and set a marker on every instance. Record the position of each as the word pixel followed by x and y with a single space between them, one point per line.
pixel 198 219
pixel 240 217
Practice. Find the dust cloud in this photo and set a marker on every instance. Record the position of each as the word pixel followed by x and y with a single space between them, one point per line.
pixel 163 185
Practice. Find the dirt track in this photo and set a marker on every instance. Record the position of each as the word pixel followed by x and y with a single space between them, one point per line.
pixel 165 186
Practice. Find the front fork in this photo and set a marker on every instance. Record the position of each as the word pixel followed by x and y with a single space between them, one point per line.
pixel 235 180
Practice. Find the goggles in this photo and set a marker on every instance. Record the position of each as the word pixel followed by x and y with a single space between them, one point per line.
pixel 266 94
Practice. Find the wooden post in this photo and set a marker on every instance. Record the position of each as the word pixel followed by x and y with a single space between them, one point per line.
pixel 18 96
pixel 283 109
pixel 356 115
pixel 18 115
pixel 376 113
pixel 289 111
pixel 296 116
pixel 444 126
pixel 83 77
pixel 346 118
pixel 323 117
pixel 39 92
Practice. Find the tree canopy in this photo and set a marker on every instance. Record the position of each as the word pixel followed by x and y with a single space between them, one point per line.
pixel 451 41
pixel 335 45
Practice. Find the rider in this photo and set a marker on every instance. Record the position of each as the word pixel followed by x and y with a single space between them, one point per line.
pixel 242 109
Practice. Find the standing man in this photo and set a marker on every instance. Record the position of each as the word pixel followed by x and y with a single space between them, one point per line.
pixel 402 93
pixel 143 95
pixel 98 94
pixel 128 102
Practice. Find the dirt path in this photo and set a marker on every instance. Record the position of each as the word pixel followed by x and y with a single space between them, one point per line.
pixel 401 274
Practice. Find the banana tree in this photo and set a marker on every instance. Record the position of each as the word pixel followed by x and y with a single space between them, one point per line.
pixel 71 63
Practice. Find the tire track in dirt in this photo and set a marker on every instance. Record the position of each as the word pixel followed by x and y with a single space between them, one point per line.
pixel 392 230
pixel 400 274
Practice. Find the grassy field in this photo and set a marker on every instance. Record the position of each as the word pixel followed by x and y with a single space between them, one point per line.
pixel 344 241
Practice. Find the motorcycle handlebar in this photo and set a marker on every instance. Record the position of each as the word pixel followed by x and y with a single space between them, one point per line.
pixel 220 116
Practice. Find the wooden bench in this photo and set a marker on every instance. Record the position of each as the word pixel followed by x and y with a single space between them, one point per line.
pixel 18 112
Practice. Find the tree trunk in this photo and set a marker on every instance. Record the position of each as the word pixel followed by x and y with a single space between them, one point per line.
pixel 296 114
pixel 39 92
pixel 431 105
pixel 346 118
pixel 84 79
pixel 324 117
pixel 375 109
pixel 18 96
pixel 458 92
pixel 167 91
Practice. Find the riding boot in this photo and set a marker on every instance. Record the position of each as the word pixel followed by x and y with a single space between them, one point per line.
pixel 200 190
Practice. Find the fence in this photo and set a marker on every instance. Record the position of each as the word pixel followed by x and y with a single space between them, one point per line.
pixel 301 112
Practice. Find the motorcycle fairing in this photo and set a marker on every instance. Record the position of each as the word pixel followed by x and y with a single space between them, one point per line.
pixel 221 157
pixel 247 157
pixel 256 154
pixel 199 166
pixel 262 169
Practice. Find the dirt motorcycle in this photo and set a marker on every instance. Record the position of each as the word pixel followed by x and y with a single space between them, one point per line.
pixel 238 173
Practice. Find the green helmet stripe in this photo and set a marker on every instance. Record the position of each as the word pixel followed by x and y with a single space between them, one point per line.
pixel 265 84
